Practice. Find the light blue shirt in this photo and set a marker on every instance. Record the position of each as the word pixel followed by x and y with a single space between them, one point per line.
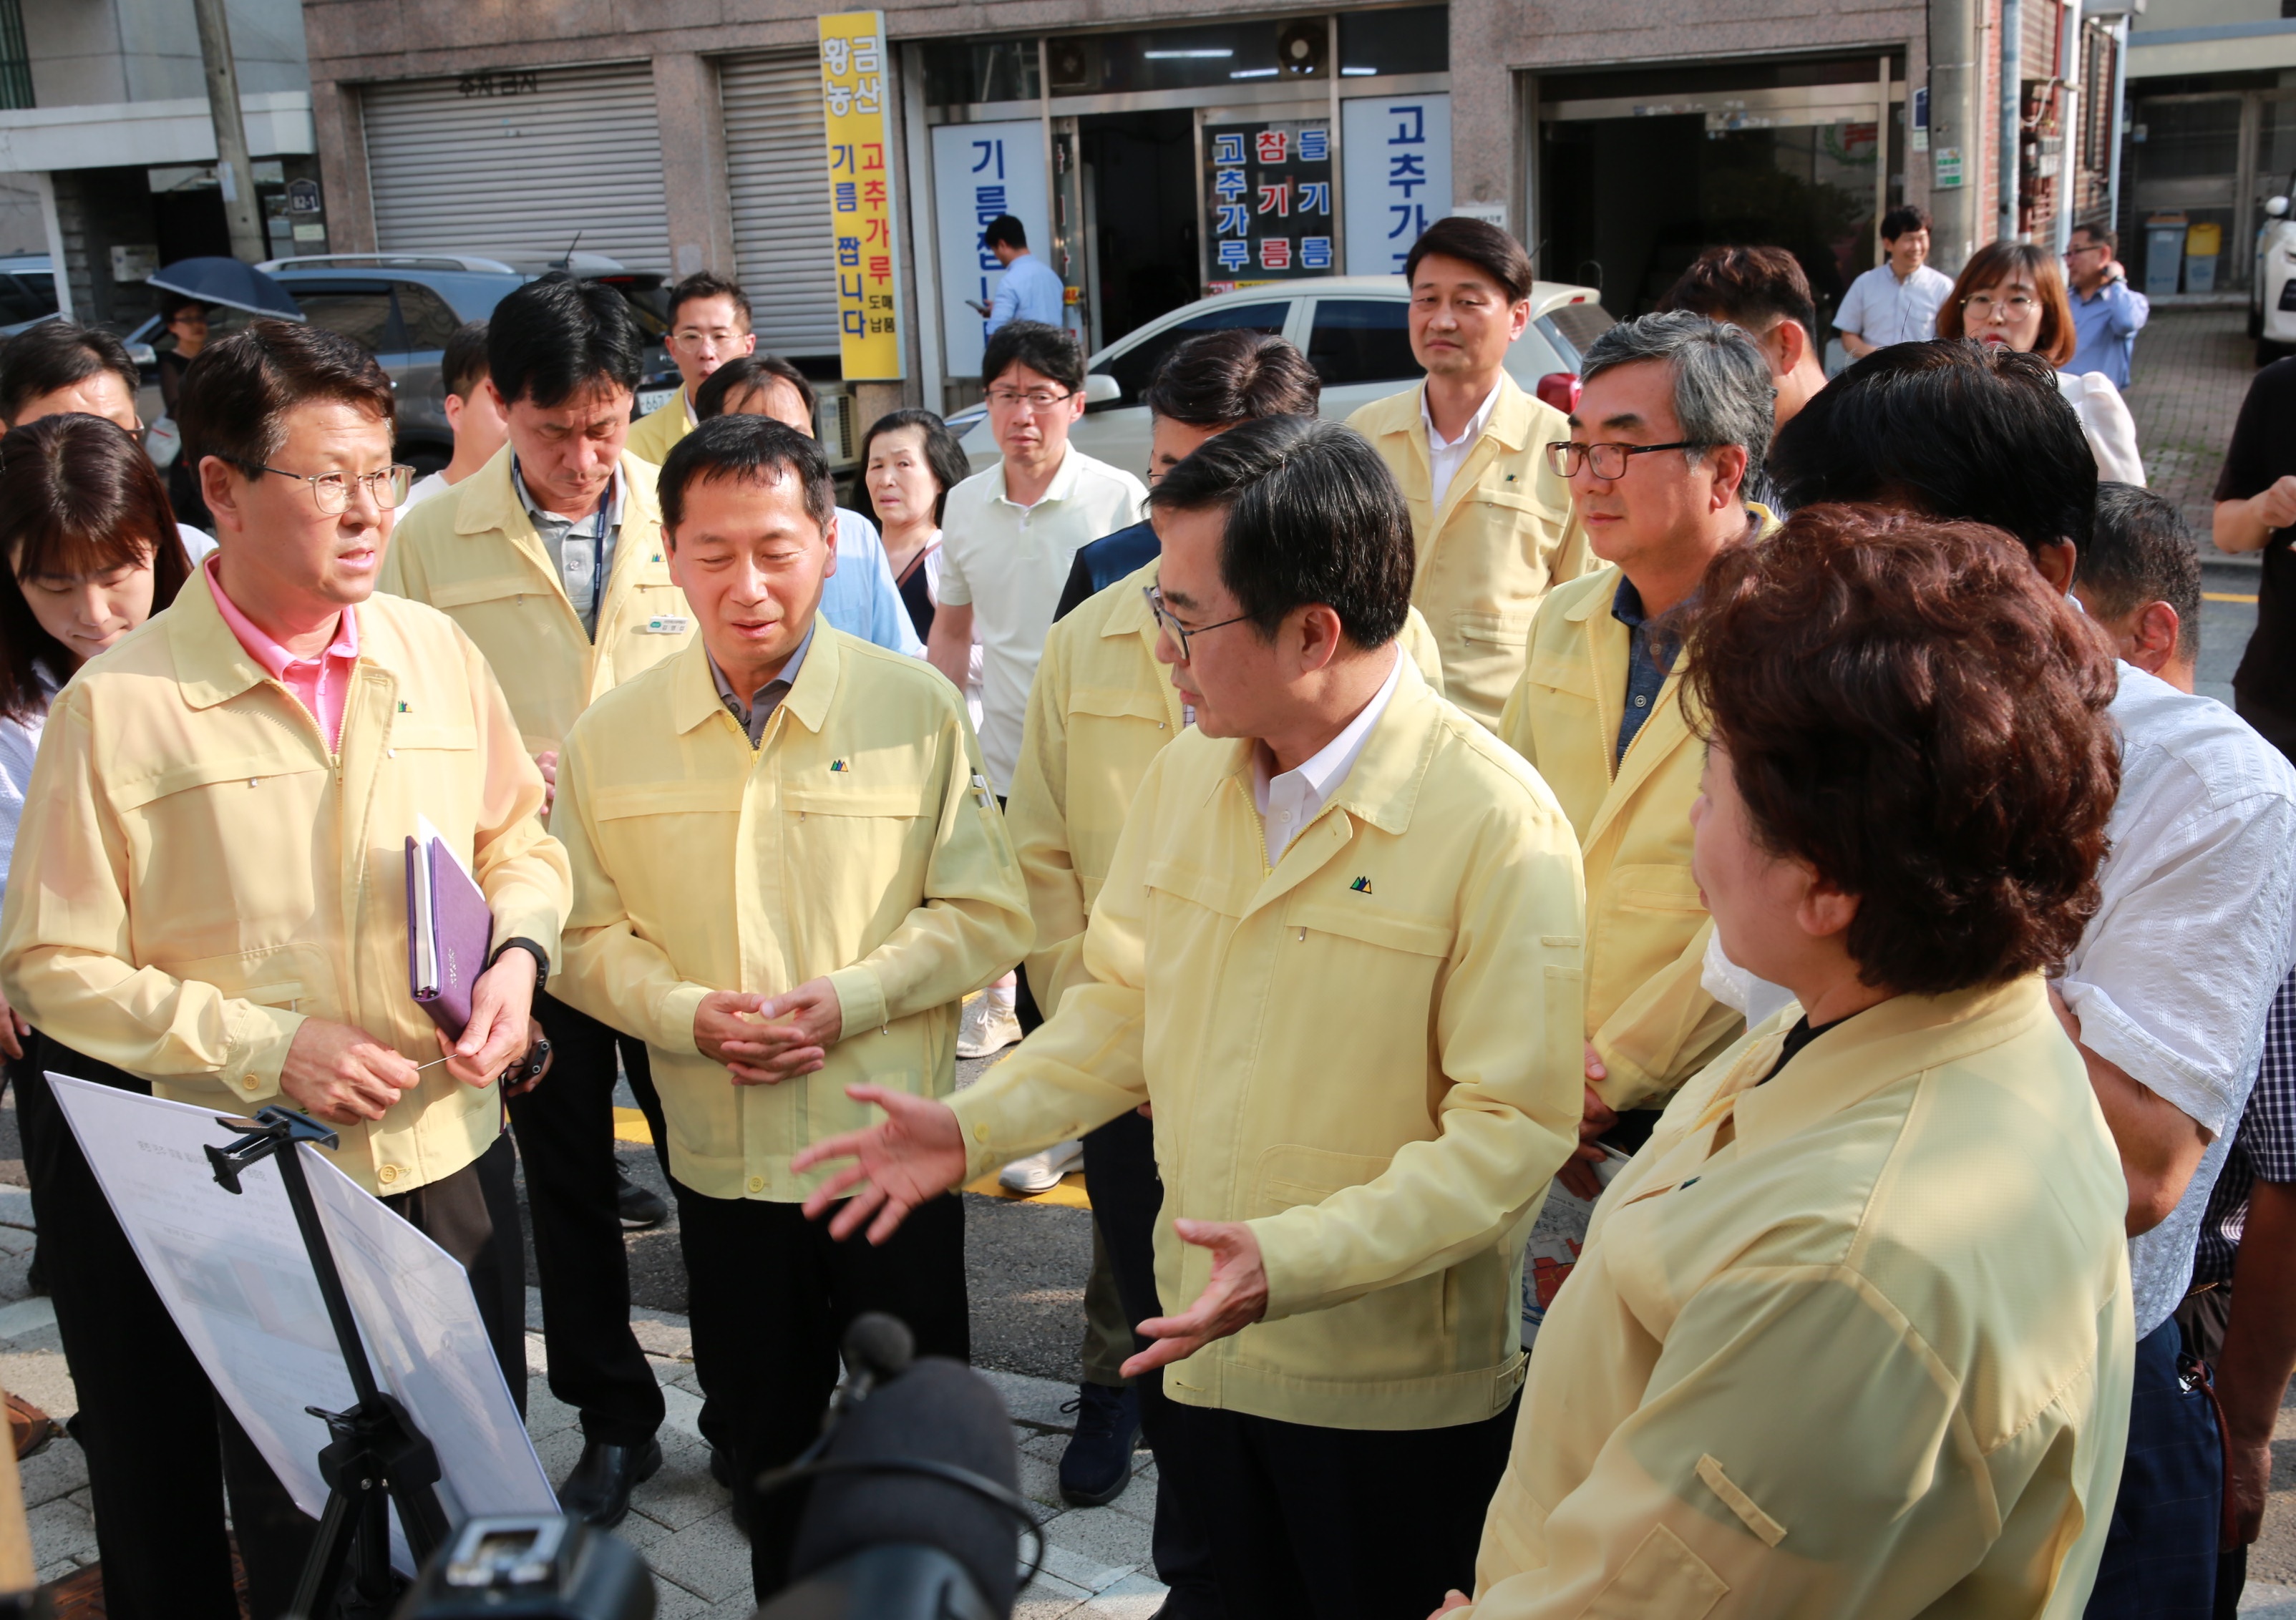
pixel 1030 292
pixel 2105 327
pixel 861 598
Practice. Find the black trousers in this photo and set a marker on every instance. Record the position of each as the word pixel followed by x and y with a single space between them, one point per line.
pixel 1335 1523
pixel 144 1398
pixel 770 1294
pixel 1120 1167
pixel 566 1139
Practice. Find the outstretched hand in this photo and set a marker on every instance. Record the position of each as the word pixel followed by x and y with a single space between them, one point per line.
pixel 1234 1298
pixel 916 1152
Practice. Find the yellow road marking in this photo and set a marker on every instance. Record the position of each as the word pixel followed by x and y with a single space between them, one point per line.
pixel 630 1126
pixel 2225 596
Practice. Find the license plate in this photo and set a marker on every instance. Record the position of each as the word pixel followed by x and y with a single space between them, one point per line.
pixel 651 400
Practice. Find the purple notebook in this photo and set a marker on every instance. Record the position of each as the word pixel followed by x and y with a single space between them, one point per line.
pixel 448 930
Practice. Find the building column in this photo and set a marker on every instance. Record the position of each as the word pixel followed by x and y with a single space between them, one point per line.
pixel 44 182
pixel 1484 141
pixel 341 137
pixel 694 166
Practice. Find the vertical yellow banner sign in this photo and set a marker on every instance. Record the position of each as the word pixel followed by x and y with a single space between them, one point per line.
pixel 855 73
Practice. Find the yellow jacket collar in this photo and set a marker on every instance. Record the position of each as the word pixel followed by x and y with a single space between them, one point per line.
pixel 1127 614
pixel 696 698
pixel 490 505
pixel 210 665
pixel 1879 1047
pixel 1383 787
pixel 1596 599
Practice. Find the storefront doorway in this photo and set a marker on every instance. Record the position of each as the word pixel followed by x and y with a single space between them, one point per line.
pixel 1638 176
pixel 2201 157
pixel 1139 192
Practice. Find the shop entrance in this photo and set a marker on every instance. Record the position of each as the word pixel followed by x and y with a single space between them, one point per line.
pixel 1637 179
pixel 1139 193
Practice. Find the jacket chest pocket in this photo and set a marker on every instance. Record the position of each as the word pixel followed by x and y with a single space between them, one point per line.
pixel 212 842
pixel 1645 918
pixel 1338 959
pixel 659 839
pixel 496 590
pixel 855 863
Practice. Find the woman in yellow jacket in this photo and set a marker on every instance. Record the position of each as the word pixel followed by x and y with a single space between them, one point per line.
pixel 1852 1334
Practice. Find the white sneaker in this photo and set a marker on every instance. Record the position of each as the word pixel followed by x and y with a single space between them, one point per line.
pixel 1042 1172
pixel 986 1026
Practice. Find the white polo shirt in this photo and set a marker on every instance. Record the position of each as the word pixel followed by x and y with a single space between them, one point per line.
pixel 1008 563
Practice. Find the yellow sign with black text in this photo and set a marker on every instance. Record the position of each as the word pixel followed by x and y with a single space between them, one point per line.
pixel 855 77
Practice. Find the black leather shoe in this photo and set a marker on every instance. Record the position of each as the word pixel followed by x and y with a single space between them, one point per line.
pixel 642 1208
pixel 721 1466
pixel 598 1491
pixel 1097 1464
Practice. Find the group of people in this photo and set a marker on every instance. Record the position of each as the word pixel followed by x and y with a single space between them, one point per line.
pixel 1773 810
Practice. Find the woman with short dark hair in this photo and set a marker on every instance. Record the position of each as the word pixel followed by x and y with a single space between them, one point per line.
pixel 1852 1334
pixel 909 462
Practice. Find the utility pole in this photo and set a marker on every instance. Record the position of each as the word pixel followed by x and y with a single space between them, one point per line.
pixel 1956 135
pixel 233 172
pixel 2012 114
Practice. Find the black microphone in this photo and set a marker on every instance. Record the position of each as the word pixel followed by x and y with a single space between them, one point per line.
pixel 922 1473
pixel 878 1349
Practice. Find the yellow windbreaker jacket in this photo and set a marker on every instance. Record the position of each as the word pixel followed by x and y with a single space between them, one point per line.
pixel 472 553
pixel 654 434
pixel 1370 1052
pixel 1503 535
pixel 1651 1020
pixel 859 841
pixel 1101 710
pixel 1871 1356
pixel 197 872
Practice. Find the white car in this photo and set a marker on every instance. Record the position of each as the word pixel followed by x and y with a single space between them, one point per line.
pixel 2272 289
pixel 1351 329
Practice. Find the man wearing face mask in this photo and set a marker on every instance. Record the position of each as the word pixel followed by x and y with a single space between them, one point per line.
pixel 550 557
pixel 865 884
pixel 1338 951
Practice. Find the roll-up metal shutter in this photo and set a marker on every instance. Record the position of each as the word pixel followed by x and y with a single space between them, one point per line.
pixel 778 170
pixel 513 165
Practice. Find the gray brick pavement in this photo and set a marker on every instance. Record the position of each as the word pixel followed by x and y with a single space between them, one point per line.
pixel 2191 372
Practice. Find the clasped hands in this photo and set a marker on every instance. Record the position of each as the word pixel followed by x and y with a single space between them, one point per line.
pixel 916 1152
pixel 340 1074
pixel 763 1040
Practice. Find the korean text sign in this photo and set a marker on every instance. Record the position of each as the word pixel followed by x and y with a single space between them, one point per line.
pixel 1267 193
pixel 855 80
pixel 980 171
pixel 1397 173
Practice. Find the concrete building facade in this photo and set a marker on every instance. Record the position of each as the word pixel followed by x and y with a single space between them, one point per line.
pixel 1155 154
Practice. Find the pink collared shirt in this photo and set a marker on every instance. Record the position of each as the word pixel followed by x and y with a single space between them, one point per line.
pixel 320 683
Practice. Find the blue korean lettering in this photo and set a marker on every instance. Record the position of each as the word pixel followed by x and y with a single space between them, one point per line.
pixel 849 252
pixel 1228 185
pixel 991 151
pixel 848 196
pixel 1228 148
pixel 1410 125
pixel 1315 145
pixel 1405 171
pixel 1314 196
pixel 1314 253
pixel 1409 217
pixel 1235 254
pixel 1233 219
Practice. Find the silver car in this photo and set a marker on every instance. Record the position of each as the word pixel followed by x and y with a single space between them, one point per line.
pixel 1352 329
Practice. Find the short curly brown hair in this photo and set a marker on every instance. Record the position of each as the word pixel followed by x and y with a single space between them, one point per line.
pixel 1908 708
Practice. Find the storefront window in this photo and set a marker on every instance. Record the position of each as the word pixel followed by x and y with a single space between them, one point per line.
pixel 1414 39
pixel 1227 55
pixel 962 70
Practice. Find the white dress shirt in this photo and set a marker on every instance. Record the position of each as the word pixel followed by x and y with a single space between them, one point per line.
pixel 1290 801
pixel 1883 310
pixel 1444 459
pixel 2173 976
pixel 1008 562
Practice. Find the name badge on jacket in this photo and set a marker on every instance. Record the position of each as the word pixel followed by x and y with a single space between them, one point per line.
pixel 668 624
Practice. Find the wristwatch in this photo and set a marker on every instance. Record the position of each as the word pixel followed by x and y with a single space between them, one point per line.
pixel 541 957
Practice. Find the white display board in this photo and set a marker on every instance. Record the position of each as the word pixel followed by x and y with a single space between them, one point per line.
pixel 232 1272
pixel 1395 169
pixel 979 171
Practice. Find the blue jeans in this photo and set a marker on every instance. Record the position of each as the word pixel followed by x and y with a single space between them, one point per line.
pixel 2161 1555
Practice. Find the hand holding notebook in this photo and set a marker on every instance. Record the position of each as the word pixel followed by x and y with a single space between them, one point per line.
pixel 449 930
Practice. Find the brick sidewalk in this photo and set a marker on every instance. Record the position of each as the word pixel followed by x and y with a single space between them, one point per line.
pixel 2191 370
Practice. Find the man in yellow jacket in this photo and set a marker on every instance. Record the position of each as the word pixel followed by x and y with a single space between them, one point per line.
pixel 788 870
pixel 1491 520
pixel 709 325
pixel 1338 953
pixel 209 889
pixel 1676 412
pixel 550 558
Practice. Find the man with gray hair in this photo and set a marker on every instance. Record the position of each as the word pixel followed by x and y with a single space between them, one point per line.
pixel 1675 411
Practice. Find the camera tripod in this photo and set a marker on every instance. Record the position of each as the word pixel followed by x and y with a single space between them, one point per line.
pixel 377 1457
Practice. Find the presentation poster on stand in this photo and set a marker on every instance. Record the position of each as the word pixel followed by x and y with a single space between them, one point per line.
pixel 233 1273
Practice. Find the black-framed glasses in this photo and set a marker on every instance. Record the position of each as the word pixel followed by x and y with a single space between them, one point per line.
pixel 333 490
pixel 1609 461
pixel 1173 628
pixel 1036 399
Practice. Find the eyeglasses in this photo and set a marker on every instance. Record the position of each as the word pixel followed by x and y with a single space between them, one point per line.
pixel 1173 628
pixel 1608 461
pixel 2015 306
pixel 333 490
pixel 2093 247
pixel 1036 399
